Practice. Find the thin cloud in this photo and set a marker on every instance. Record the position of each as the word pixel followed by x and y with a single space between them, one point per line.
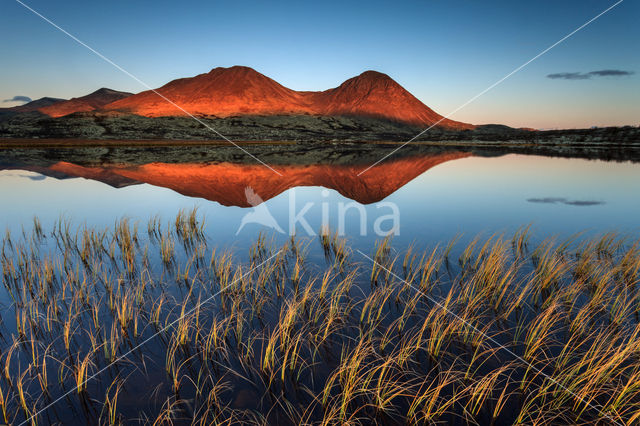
pixel 18 98
pixel 611 73
pixel 588 75
pixel 569 76
pixel 561 200
pixel 547 200
pixel 584 203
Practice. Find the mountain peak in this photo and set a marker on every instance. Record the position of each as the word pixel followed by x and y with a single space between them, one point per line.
pixel 107 91
pixel 367 83
pixel 236 73
pixel 235 69
pixel 373 75
pixel 377 95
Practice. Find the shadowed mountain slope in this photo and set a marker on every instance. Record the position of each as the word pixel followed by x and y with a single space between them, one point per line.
pixel 34 105
pixel 91 102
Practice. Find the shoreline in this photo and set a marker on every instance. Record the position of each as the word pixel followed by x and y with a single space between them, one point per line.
pixel 85 151
pixel 78 142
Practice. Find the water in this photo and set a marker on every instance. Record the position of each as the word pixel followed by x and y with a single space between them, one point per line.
pixel 423 201
pixel 468 195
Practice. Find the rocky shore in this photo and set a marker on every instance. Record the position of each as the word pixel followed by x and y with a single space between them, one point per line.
pixel 302 128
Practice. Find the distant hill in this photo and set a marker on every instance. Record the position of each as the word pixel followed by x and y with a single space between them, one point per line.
pixel 34 105
pixel 91 102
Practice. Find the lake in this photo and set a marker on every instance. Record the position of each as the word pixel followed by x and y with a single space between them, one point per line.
pixel 433 198
pixel 167 291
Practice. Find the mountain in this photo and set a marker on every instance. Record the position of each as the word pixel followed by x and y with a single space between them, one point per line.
pixel 238 90
pixel 35 105
pixel 91 102
pixel 377 95
pixel 222 92
pixel 242 91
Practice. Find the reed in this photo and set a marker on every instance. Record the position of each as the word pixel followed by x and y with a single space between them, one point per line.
pixel 511 333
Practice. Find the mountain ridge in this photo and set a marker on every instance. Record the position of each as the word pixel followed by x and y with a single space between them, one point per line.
pixel 243 91
pixel 239 90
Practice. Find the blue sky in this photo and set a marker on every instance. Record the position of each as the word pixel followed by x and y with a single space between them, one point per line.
pixel 444 52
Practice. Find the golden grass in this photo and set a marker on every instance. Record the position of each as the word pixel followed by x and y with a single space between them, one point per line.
pixel 522 333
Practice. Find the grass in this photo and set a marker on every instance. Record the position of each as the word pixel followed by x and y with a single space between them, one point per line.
pixel 512 333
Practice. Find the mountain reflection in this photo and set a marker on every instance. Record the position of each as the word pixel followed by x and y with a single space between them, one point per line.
pixel 225 183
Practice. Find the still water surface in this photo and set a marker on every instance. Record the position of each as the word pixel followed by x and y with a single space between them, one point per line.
pixel 455 195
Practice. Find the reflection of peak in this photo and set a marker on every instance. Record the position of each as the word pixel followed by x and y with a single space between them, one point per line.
pixel 94 173
pixel 226 183
pixel 63 170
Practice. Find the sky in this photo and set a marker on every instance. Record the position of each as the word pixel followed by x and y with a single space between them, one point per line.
pixel 444 52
